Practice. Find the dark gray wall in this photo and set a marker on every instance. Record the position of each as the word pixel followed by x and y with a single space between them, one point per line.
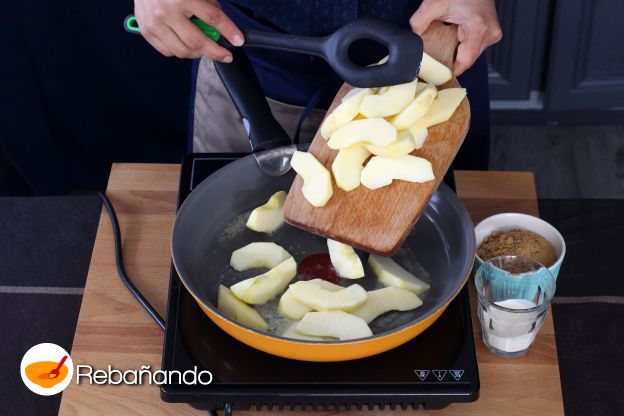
pixel 516 64
pixel 587 55
pixel 568 50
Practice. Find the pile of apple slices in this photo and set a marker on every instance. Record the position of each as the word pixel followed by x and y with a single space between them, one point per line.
pixel 326 311
pixel 386 123
pixel 234 302
pixel 321 310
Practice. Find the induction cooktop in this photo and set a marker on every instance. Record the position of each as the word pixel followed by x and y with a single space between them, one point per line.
pixel 435 369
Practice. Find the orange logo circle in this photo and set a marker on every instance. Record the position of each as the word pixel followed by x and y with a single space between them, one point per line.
pixel 46 369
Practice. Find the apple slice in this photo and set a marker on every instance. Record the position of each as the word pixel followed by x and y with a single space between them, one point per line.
pixel 355 91
pixel 270 216
pixel 434 72
pixel 419 135
pixel 337 324
pixel 425 94
pixel 345 260
pixel 389 273
pixel 317 185
pixel 345 112
pixel 348 166
pixel 332 287
pixel 403 145
pixel 291 332
pixel 388 100
pixel 291 308
pixel 385 300
pixel 255 255
pixel 381 171
pixel 443 107
pixel 318 298
pixel 261 289
pixel 377 131
pixel 234 308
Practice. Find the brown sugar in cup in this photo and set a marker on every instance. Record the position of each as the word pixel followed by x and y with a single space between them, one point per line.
pixel 517 242
pixel 517 221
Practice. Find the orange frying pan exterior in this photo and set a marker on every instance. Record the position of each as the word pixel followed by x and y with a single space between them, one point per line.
pixel 320 351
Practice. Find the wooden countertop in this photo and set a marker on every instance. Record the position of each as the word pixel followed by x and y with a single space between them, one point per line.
pixel 114 330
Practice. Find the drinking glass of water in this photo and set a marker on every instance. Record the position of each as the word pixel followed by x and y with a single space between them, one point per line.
pixel 514 294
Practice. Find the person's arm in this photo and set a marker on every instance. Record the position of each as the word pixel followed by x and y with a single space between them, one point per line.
pixel 477 25
pixel 166 26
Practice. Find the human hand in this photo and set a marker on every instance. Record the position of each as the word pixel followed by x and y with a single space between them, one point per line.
pixel 477 26
pixel 166 26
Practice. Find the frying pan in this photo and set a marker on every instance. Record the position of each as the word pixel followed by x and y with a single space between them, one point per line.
pixel 211 224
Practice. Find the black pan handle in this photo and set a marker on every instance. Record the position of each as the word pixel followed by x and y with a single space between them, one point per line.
pixel 240 82
pixel 285 42
pixel 253 38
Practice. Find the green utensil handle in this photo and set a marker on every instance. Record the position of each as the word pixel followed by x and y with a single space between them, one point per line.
pixel 132 26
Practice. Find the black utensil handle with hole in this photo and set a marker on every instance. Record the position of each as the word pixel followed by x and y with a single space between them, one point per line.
pixel 240 82
pixel 404 47
pixel 285 42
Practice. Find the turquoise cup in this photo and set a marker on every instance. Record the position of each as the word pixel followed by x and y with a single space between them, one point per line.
pixel 514 293
pixel 506 283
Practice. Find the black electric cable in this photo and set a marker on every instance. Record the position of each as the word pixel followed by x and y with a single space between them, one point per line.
pixel 120 267
pixel 132 288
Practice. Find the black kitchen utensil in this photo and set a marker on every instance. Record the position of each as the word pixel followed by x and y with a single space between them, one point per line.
pixel 270 144
pixel 405 49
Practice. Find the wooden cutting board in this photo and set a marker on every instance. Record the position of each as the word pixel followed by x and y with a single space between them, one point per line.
pixel 378 221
